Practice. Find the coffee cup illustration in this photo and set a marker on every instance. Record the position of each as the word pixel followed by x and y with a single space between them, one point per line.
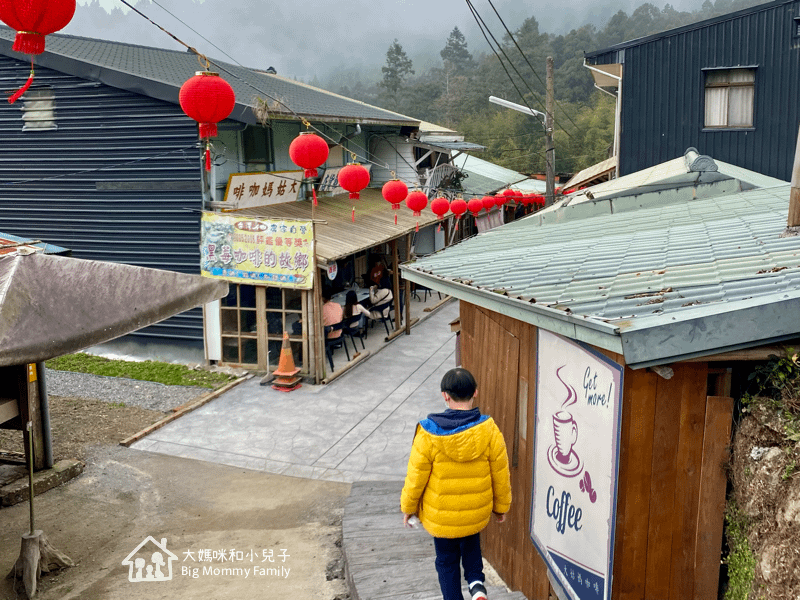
pixel 566 433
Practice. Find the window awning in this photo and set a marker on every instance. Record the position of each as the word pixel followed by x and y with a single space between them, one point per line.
pixel 336 235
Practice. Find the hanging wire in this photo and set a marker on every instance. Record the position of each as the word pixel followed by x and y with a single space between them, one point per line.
pixel 482 25
pixel 511 36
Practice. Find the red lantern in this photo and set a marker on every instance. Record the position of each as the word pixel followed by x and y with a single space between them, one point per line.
pixel 354 178
pixel 475 206
pixel 308 151
pixel 487 202
pixel 417 201
pixel 440 206
pixel 509 193
pixel 458 207
pixel 32 20
pixel 394 191
pixel 500 199
pixel 208 99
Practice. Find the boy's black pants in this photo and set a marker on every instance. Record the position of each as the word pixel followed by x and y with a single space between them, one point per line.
pixel 449 553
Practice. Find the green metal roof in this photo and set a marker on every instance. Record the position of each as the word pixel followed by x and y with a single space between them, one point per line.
pixel 160 73
pixel 659 283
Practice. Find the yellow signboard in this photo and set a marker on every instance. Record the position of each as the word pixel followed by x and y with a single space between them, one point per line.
pixel 277 253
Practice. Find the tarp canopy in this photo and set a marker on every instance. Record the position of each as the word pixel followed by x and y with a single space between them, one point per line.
pixel 54 305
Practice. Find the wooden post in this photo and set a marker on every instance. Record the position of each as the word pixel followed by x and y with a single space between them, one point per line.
pixel 315 327
pixel 396 285
pixel 550 153
pixel 407 287
pixel 30 410
pixel 794 194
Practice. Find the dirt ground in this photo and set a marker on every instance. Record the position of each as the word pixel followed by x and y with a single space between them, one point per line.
pixel 234 533
pixel 80 423
pixel 766 486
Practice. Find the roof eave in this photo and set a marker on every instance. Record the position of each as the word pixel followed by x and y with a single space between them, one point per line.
pixel 711 329
pixel 584 329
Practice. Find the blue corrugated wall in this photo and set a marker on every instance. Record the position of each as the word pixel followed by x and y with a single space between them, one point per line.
pixel 663 91
pixel 118 180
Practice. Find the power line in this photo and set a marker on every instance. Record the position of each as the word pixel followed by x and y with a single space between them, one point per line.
pixel 482 24
pixel 511 36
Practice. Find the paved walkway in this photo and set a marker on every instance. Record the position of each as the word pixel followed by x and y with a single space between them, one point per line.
pixel 357 428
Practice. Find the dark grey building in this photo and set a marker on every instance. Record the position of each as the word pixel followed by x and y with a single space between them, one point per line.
pixel 727 86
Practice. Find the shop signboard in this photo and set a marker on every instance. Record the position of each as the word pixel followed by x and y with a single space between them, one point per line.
pixel 575 467
pixel 247 190
pixel 273 252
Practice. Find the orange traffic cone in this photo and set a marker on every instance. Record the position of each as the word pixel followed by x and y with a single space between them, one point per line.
pixel 286 378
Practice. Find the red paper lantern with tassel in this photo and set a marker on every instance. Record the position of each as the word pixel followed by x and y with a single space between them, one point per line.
pixel 509 194
pixel 487 202
pixel 500 199
pixel 208 99
pixel 417 201
pixel 458 207
pixel 475 206
pixel 32 20
pixel 440 206
pixel 394 191
pixel 354 178
pixel 308 151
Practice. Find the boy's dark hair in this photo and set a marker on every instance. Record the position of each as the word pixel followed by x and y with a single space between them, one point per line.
pixel 459 384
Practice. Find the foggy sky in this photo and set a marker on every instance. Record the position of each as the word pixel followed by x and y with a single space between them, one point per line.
pixel 318 37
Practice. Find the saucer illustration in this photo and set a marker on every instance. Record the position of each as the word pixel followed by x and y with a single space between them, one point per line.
pixel 571 468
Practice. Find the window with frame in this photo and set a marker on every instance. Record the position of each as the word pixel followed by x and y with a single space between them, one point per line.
pixel 729 98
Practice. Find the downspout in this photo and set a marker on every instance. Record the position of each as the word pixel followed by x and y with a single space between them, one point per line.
pixel 618 109
pixel 44 407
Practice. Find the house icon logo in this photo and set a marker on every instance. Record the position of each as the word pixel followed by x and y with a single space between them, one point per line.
pixel 150 561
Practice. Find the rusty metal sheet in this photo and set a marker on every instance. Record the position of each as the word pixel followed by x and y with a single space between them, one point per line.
pixel 54 305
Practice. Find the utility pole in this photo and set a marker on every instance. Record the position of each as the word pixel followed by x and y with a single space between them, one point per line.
pixel 550 153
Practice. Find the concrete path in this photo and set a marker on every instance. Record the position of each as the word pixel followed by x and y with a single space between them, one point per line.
pixel 357 428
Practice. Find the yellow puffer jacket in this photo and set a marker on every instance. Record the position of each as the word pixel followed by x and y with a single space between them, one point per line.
pixel 457 477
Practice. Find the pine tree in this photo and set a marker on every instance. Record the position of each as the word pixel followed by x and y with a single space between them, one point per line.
pixel 398 67
pixel 455 55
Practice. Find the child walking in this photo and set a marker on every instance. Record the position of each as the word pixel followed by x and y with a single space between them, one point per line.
pixel 457 477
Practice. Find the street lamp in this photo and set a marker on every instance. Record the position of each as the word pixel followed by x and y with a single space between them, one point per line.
pixel 548 133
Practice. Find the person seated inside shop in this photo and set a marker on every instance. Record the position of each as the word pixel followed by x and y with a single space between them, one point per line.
pixel 332 313
pixel 380 294
pixel 352 308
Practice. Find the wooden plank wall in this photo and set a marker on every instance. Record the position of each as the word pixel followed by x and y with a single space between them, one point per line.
pixel 671 488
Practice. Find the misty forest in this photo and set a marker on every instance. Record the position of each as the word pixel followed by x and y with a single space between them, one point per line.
pixel 455 92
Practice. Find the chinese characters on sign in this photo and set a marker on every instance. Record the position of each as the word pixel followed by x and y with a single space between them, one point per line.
pixel 576 454
pixel 246 190
pixel 330 181
pixel 275 252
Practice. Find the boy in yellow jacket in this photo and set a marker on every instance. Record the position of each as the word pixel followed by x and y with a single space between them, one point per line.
pixel 457 477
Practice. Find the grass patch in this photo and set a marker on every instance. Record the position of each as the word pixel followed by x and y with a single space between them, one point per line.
pixel 150 370
pixel 741 560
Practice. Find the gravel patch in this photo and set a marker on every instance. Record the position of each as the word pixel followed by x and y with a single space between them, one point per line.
pixel 143 394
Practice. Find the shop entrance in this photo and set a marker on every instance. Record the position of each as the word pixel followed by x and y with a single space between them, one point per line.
pixel 253 319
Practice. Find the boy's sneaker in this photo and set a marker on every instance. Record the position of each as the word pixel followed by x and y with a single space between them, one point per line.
pixel 477 591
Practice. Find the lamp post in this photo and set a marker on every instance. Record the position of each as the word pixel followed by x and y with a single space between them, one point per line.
pixel 548 133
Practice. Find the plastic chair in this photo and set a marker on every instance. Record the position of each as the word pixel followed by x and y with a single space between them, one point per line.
pixel 385 315
pixel 352 330
pixel 332 344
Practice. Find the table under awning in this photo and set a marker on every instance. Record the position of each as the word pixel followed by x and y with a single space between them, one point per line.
pixel 336 235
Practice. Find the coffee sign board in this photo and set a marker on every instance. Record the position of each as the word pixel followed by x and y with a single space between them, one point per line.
pixel 575 466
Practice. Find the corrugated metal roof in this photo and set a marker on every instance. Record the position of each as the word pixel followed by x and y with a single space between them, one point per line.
pixel 336 235
pixel 14 242
pixel 485 177
pixel 160 73
pixel 660 265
